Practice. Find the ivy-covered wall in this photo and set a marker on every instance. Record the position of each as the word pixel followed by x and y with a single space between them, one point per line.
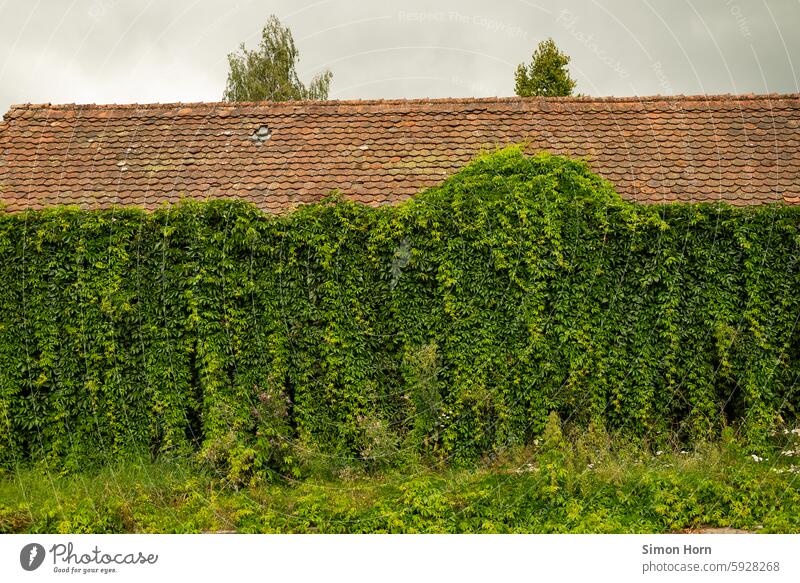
pixel 448 326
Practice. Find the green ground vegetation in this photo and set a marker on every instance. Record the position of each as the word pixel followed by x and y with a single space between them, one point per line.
pixel 583 482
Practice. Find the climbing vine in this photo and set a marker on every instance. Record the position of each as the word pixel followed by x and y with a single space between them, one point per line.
pixel 448 327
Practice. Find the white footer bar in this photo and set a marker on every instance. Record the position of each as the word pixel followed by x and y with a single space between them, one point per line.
pixel 388 558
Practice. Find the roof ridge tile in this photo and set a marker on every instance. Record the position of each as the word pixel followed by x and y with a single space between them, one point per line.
pixel 702 98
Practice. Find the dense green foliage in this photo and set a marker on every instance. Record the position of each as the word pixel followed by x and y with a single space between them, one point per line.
pixel 270 72
pixel 592 485
pixel 442 329
pixel 546 75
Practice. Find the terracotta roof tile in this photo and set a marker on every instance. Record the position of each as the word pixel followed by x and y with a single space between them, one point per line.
pixel 743 149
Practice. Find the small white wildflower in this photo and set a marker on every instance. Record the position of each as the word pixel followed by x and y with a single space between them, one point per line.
pixel 796 430
pixel 789 453
pixel 756 458
pixel 590 466
pixel 684 452
pixel 659 452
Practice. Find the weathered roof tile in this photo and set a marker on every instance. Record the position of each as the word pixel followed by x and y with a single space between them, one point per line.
pixel 741 149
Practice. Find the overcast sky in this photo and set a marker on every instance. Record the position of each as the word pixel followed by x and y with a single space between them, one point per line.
pixel 126 51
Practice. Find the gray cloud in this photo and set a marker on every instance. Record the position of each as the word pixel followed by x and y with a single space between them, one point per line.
pixel 127 51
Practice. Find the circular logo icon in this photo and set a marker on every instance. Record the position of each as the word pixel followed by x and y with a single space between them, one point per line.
pixel 31 556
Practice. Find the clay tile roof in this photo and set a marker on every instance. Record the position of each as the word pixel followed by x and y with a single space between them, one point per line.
pixel 742 149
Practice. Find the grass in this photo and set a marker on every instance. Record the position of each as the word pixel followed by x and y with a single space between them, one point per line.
pixel 579 483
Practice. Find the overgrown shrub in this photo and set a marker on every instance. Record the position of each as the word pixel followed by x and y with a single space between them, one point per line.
pixel 251 339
